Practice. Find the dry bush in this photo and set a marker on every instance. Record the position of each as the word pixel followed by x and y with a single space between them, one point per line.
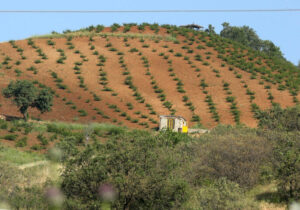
pixel 237 155
pixel 222 194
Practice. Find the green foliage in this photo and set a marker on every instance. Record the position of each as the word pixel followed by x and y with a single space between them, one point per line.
pixel 22 142
pixel 14 190
pixel 283 129
pixel 50 42
pixel 16 157
pixel 210 29
pixel 10 137
pixel 236 154
pixel 82 112
pixel 287 155
pixel 44 100
pixel 196 118
pixel 114 27
pixel 141 171
pixel 68 147
pixel 24 94
pixel 42 139
pixel 217 196
pixel 3 124
pixel 247 36
pixel 277 118
pixel 168 104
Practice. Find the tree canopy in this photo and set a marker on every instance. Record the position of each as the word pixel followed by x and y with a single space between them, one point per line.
pixel 248 36
pixel 141 168
pixel 24 94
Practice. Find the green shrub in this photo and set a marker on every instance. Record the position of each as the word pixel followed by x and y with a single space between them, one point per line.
pixel 133 50
pixel 37 61
pixel 222 194
pixel 178 54
pixel 114 27
pixel 67 147
pixel 287 155
pixel 58 129
pixel 230 99
pixel 3 125
pixel 82 112
pixel 196 118
pixel 112 49
pixel 36 147
pixel 168 104
pixel 240 156
pixel 139 171
pixel 277 118
pixel 50 42
pixel 22 142
pixel 42 139
pixel 96 97
pixel 10 137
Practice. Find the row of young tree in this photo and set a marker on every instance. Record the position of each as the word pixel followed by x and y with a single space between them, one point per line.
pixel 244 35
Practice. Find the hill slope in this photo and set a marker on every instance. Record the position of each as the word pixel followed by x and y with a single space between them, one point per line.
pixel 130 75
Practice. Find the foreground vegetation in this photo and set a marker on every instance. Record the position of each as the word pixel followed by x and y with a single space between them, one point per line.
pixel 136 169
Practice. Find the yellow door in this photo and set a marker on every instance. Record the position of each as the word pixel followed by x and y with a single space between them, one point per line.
pixel 171 123
pixel 184 129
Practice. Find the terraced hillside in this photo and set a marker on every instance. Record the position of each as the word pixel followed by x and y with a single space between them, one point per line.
pixel 132 74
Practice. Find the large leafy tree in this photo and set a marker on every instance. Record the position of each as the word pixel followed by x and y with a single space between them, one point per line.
pixel 244 35
pixel 287 156
pixel 141 168
pixel 24 94
pixel 248 36
pixel 210 29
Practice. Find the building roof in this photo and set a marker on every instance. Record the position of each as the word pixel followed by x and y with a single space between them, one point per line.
pixel 192 26
pixel 172 116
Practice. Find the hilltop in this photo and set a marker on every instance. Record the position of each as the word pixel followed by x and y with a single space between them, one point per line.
pixel 131 74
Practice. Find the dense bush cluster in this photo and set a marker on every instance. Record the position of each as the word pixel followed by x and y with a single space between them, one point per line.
pixel 165 171
pixel 189 173
pixel 280 119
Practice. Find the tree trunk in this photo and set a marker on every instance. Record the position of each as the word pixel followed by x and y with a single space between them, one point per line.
pixel 23 110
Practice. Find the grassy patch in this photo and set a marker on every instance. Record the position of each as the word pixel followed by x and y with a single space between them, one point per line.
pixel 16 157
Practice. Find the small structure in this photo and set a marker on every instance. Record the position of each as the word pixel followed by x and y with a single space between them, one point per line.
pixel 193 26
pixel 174 123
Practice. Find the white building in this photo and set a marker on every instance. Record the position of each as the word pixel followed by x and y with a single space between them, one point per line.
pixel 174 123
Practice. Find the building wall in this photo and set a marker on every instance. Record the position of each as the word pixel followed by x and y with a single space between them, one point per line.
pixel 163 123
pixel 179 123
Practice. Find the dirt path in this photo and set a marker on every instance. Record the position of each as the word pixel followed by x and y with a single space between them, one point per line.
pixel 33 164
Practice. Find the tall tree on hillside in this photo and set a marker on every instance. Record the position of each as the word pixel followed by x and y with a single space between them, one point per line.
pixel 270 48
pixel 244 35
pixel 248 36
pixel 24 94
pixel 210 29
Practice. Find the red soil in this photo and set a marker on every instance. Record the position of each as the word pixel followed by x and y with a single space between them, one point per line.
pixel 83 99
